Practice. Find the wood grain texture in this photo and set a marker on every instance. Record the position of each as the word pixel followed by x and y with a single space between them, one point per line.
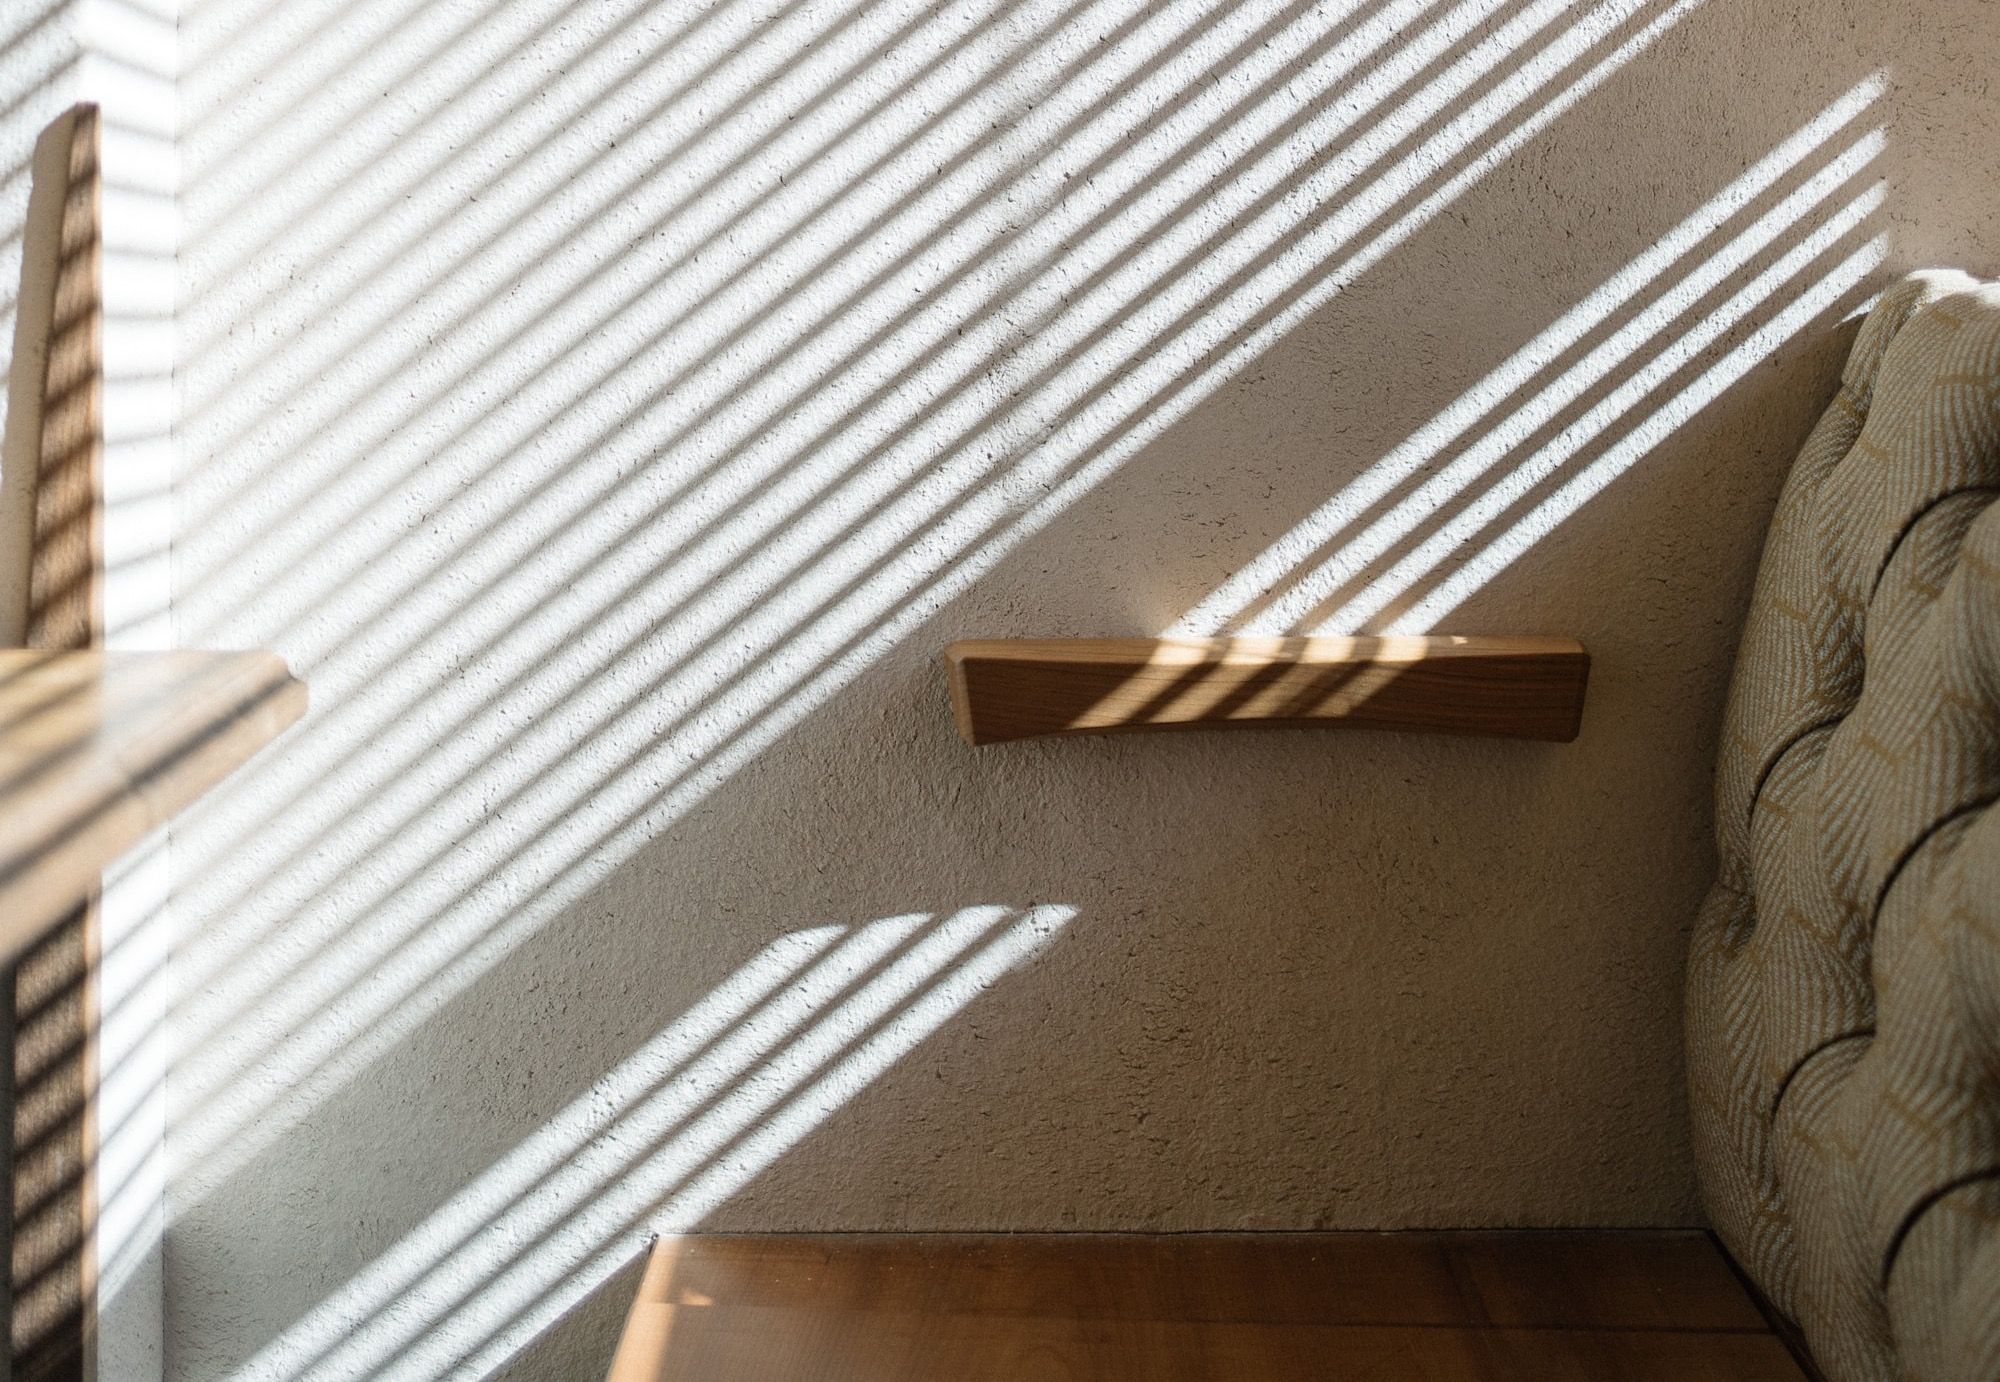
pixel 52 1264
pixel 66 567
pixel 910 1308
pixel 98 749
pixel 1530 688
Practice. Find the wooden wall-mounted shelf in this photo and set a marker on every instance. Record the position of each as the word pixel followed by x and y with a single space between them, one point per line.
pixel 1018 688
pixel 99 749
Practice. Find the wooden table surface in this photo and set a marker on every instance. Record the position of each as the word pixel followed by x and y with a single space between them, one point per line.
pixel 99 749
pixel 1398 1307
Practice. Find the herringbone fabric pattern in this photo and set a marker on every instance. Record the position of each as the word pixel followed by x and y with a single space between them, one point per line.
pixel 1844 987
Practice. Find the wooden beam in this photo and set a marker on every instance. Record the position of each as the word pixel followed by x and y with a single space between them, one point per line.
pixel 52 1278
pixel 66 569
pixel 1528 688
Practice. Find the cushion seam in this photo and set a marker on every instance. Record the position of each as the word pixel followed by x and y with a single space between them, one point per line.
pixel 1784 1085
pixel 1771 764
pixel 1910 523
pixel 1924 837
pixel 1925 1203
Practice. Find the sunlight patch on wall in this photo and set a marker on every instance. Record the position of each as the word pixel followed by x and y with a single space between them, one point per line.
pixel 1285 590
pixel 1636 379
pixel 657 1144
pixel 544 622
pixel 1803 309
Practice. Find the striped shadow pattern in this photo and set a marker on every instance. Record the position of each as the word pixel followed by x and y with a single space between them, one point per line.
pixel 1844 987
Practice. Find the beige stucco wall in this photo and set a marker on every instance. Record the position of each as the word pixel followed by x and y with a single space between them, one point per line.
pixel 613 409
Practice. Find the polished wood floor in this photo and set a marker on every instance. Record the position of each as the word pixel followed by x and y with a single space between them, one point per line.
pixel 1403 1307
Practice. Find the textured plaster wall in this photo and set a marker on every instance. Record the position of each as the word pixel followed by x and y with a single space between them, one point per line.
pixel 612 410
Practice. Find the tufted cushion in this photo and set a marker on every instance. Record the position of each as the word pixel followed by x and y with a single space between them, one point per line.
pixel 1844 985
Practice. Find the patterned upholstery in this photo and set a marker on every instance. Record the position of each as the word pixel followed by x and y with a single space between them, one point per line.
pixel 1844 986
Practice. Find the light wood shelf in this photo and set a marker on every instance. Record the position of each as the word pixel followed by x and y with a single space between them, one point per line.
pixel 99 749
pixel 1018 688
